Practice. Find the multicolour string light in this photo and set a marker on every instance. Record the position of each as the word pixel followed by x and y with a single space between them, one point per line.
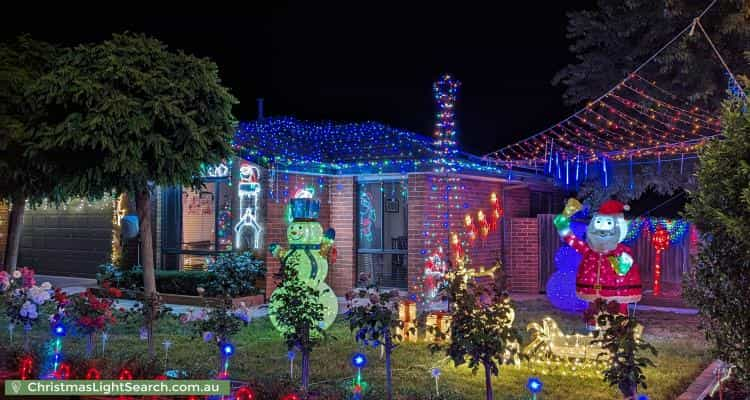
pixel 675 228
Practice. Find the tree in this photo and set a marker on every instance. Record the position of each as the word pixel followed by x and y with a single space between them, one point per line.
pixel 296 310
pixel 128 115
pixel 375 318
pixel 24 177
pixel 721 210
pixel 616 37
pixel 621 335
pixel 481 326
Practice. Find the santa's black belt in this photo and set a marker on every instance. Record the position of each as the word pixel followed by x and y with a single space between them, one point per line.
pixel 607 287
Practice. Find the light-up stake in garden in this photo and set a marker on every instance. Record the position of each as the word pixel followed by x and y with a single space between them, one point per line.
pixel 660 241
pixel 227 350
pixel 359 361
pixel 58 330
pixel 535 386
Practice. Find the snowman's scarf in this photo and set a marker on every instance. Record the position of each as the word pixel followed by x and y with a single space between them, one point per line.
pixel 306 248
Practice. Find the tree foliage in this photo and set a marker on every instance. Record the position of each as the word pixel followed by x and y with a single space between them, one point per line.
pixel 295 306
pixel 23 175
pixel 665 180
pixel 128 112
pixel 374 316
pixel 621 336
pixel 613 39
pixel 481 328
pixel 721 210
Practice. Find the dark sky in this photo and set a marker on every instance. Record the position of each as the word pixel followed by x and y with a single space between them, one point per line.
pixel 368 61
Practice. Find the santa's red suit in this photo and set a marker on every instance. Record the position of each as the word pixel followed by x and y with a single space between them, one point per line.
pixel 597 278
pixel 607 270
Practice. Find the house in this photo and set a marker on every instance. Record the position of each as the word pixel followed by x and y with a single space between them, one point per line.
pixel 393 197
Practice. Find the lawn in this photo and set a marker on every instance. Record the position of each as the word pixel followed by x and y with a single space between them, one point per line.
pixel 261 358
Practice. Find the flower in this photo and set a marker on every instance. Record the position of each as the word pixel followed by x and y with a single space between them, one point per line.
pixel 4 281
pixel 16 274
pixel 46 286
pixel 28 310
pixel 207 336
pixel 28 277
pixel 374 298
pixel 38 294
pixel 115 292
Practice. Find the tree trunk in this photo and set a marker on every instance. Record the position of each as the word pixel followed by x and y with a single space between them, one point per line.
pixel 143 207
pixel 488 382
pixel 305 369
pixel 15 228
pixel 388 371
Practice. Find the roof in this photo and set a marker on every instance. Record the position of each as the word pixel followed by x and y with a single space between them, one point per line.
pixel 348 149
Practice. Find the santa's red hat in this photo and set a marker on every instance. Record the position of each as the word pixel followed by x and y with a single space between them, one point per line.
pixel 613 207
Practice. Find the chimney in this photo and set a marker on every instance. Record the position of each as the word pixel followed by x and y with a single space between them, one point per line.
pixel 260 108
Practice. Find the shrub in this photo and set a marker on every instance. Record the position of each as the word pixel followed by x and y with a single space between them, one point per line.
pixel 234 275
pixel 720 208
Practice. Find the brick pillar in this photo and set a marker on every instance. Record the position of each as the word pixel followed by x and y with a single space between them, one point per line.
pixel 274 231
pixel 343 194
pixel 523 265
pixel 417 185
pixel 4 214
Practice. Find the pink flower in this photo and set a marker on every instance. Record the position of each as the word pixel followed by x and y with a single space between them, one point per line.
pixel 28 277
pixel 4 281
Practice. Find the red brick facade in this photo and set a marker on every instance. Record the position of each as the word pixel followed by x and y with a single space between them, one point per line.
pixel 437 205
pixel 523 259
pixel 337 207
pixel 4 211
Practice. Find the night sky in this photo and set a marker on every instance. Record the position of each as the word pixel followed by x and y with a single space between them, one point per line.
pixel 357 62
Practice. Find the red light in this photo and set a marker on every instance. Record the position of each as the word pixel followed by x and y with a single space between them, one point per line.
pixel 26 368
pixel 125 375
pixel 291 396
pixel 160 378
pixel 244 393
pixel 93 374
pixel 63 371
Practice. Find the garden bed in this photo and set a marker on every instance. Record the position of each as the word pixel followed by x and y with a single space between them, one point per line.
pixel 261 359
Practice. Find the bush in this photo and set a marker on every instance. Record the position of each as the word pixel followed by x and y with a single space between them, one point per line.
pixel 720 208
pixel 234 275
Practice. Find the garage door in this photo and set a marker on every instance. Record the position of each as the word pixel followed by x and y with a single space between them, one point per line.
pixel 72 241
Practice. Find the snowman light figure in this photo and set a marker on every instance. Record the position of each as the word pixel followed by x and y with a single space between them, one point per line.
pixel 249 194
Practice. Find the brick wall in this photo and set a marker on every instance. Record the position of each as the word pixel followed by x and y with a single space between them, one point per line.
pixel 342 195
pixel 437 206
pixel 523 258
pixel 3 230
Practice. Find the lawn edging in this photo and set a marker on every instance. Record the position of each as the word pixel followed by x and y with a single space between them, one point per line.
pixel 704 383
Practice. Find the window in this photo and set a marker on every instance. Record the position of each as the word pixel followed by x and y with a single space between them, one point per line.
pixel 196 224
pixel 382 233
pixel 541 203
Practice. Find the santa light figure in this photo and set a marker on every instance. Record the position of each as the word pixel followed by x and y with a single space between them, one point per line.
pixel 607 270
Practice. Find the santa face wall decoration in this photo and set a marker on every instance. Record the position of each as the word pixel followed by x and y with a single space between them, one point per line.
pixel 607 270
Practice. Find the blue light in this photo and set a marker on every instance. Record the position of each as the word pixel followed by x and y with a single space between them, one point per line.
pixel 58 330
pixel 359 360
pixel 534 385
pixel 642 397
pixel 227 349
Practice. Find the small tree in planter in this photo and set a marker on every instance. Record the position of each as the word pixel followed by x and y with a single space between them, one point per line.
pixel 621 335
pixel 481 326
pixel 90 314
pixel 296 310
pixel 375 318
pixel 218 326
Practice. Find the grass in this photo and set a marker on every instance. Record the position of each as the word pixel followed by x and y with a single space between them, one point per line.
pixel 261 358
